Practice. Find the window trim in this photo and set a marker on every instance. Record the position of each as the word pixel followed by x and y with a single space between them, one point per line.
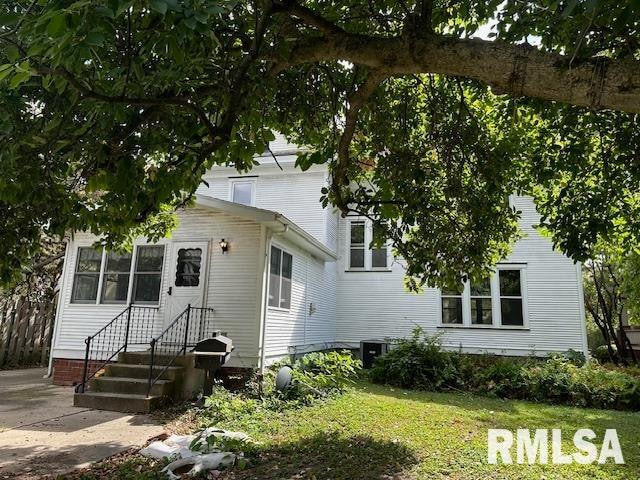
pixel 103 260
pixel 496 312
pixel 280 277
pixel 240 180
pixel 368 251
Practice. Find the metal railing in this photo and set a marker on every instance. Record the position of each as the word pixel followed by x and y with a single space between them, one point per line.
pixel 133 326
pixel 191 326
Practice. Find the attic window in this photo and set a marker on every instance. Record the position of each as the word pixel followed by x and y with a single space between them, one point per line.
pixel 243 191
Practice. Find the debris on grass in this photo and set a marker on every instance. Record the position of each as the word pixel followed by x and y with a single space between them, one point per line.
pixel 191 455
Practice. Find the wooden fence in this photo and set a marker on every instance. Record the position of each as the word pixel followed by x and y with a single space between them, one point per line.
pixel 26 331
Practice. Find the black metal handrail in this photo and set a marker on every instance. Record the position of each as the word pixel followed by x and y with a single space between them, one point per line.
pixel 133 326
pixel 191 326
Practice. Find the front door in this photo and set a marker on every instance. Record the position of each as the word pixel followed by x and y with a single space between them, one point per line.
pixel 187 277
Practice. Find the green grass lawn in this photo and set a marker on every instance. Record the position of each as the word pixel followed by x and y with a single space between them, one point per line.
pixel 381 432
pixel 376 432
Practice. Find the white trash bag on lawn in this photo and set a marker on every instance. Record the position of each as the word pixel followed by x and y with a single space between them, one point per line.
pixel 201 452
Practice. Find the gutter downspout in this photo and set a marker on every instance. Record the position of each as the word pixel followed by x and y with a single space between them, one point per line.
pixel 264 299
pixel 56 320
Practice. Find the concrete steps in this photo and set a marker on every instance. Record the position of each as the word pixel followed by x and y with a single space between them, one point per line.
pixel 118 402
pixel 136 386
pixel 123 386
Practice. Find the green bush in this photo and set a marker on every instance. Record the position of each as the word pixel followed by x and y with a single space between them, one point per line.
pixel 327 371
pixel 601 353
pixel 421 363
pixel 418 362
pixel 315 375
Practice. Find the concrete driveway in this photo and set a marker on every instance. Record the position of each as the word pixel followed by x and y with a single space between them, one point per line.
pixel 42 433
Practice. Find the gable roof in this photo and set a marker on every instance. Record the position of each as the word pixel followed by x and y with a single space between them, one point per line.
pixel 275 221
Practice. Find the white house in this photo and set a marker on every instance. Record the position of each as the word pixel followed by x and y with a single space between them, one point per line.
pixel 294 277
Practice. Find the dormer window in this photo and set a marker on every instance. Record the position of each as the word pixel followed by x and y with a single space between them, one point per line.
pixel 242 190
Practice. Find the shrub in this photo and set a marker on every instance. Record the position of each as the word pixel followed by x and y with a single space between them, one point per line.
pixel 316 375
pixel 328 371
pixel 420 363
pixel 223 406
pixel 601 353
pixel 417 362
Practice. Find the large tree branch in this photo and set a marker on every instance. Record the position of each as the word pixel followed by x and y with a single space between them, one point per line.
pixel 308 16
pixel 597 82
pixel 356 101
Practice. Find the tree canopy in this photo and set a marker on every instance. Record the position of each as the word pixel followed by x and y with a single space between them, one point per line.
pixel 112 110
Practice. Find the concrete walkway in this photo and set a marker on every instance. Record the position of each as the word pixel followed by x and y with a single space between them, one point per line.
pixel 42 433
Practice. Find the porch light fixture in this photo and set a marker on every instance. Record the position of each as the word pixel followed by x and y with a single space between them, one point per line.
pixel 224 246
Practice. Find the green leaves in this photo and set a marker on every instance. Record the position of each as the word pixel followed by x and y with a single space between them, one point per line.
pixel 57 25
pixel 120 106
pixel 159 6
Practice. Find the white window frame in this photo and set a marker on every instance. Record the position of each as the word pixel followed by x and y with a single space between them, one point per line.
pixel 252 181
pixel 523 292
pixel 368 251
pixel 103 263
pixel 280 276
pixel 496 311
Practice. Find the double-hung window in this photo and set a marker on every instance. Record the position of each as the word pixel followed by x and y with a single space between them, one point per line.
pixel 280 274
pixel 511 304
pixel 87 275
pixel 147 275
pixel 105 277
pixel 363 252
pixel 115 278
pixel 498 301
pixel 452 306
pixel 481 303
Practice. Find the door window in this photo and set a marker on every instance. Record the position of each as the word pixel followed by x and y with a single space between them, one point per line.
pixel 188 267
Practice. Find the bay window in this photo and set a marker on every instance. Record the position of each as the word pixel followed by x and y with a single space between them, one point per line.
pixel 497 301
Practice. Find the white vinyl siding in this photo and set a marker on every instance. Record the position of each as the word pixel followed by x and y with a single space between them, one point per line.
pixel 375 305
pixel 293 193
pixel 309 323
pixel 231 285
